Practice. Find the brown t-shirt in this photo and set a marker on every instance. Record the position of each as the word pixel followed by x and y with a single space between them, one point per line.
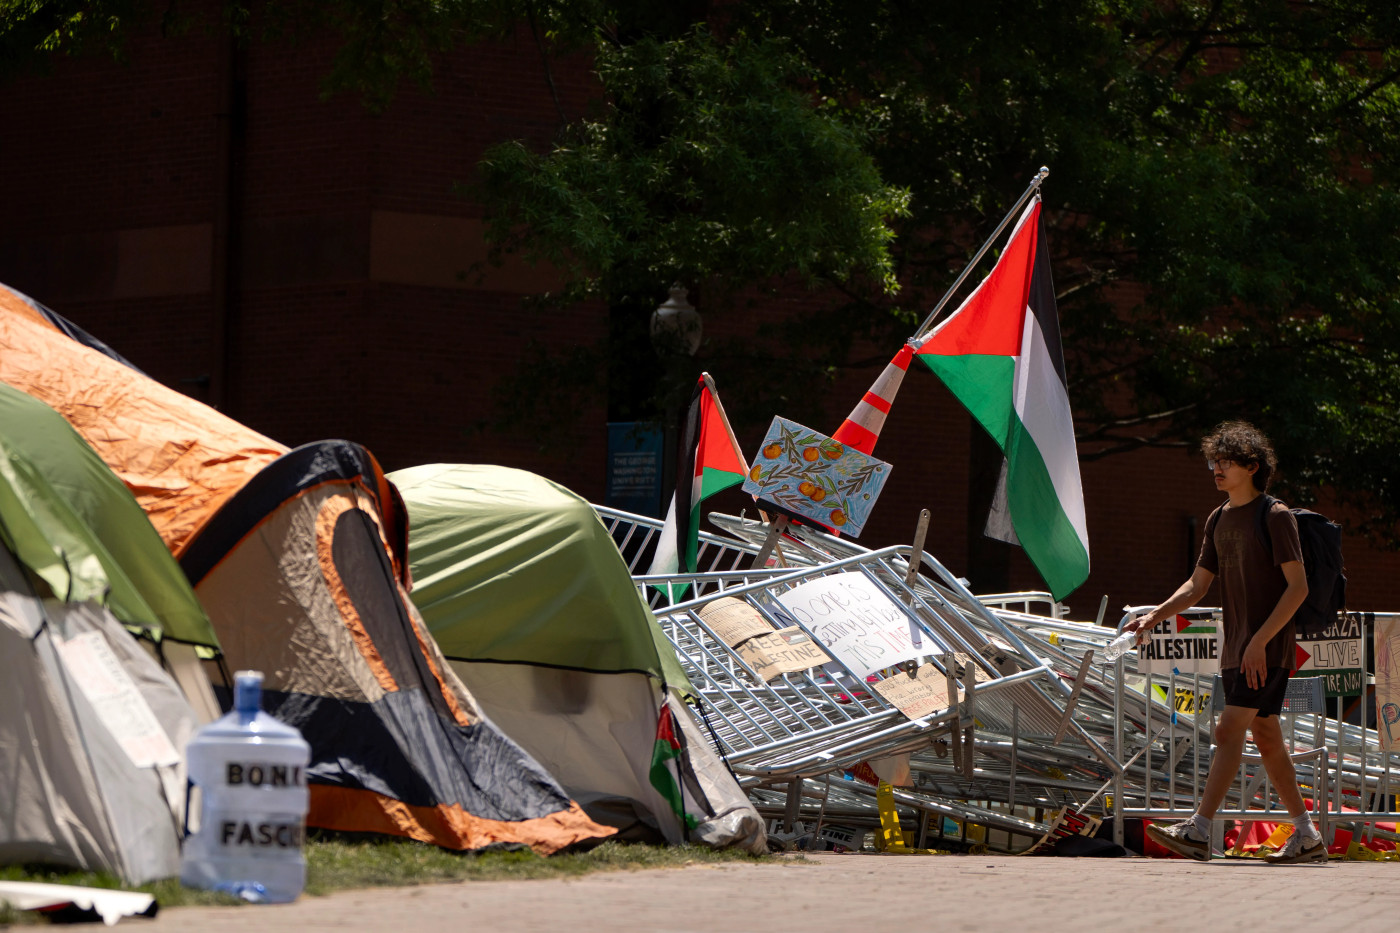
pixel 1251 582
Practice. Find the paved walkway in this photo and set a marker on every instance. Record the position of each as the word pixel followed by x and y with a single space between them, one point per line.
pixel 858 892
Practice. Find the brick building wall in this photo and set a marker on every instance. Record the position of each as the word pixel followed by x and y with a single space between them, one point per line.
pixel 357 305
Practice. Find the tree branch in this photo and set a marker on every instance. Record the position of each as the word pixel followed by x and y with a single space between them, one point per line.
pixel 544 60
pixel 1197 39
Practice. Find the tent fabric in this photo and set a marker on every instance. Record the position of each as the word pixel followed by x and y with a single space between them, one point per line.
pixel 298 557
pixel 526 592
pixel 504 560
pixel 78 791
pixel 298 574
pixel 181 459
pixel 72 522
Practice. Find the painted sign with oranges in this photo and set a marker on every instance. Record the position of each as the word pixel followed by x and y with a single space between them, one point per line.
pixel 810 476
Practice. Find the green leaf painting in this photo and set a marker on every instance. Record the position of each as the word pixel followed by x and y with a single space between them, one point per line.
pixel 809 475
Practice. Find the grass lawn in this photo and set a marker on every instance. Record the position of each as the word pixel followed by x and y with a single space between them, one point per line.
pixel 336 862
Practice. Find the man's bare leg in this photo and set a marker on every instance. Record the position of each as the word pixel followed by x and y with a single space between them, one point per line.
pixel 1191 837
pixel 1230 732
pixel 1278 763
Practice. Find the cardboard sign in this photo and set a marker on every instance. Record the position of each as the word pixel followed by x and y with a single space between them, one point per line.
pixel 855 622
pixel 809 475
pixel 1186 644
pixel 922 695
pixel 733 620
pixel 1337 654
pixel 117 700
pixel 1387 647
pixel 786 651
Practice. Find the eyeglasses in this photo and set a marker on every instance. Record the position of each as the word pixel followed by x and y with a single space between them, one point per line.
pixel 1223 464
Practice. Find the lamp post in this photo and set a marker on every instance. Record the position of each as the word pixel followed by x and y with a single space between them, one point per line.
pixel 676 332
pixel 675 325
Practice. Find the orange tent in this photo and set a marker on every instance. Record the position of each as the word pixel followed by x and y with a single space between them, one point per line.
pixel 298 558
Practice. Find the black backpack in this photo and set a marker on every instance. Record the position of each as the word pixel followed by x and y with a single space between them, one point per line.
pixel 1321 539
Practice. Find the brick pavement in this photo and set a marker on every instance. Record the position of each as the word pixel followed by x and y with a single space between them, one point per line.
pixel 847 892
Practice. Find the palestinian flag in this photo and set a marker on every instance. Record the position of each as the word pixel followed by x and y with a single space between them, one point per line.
pixel 666 764
pixel 1000 355
pixel 710 457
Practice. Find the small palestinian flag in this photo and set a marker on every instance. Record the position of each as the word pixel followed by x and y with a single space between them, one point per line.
pixel 1000 355
pixel 710 457
pixel 666 765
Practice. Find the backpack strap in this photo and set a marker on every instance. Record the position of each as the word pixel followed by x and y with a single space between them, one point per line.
pixel 1262 525
pixel 1213 520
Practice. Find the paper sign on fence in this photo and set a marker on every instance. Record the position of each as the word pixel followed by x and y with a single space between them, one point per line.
pixel 785 651
pixel 1387 647
pixel 733 620
pixel 855 622
pixel 916 697
pixel 1188 644
pixel 808 475
pixel 1336 654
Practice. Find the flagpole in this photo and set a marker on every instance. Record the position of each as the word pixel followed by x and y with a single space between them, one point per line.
pixel 1034 186
pixel 719 406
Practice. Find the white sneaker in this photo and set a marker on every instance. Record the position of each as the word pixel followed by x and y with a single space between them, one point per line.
pixel 1300 847
pixel 1182 838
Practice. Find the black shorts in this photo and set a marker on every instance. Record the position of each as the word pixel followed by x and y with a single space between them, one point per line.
pixel 1268 699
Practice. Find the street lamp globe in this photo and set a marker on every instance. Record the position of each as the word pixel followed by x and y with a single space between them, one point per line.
pixel 675 325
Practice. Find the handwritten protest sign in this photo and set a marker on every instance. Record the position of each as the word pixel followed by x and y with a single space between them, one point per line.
pixel 733 620
pixel 855 622
pixel 786 651
pixel 808 475
pixel 117 700
pixel 1336 654
pixel 922 695
pixel 1387 645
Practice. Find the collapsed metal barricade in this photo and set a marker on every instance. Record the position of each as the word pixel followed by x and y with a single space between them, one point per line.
pixel 1013 704
pixel 1017 767
pixel 1043 722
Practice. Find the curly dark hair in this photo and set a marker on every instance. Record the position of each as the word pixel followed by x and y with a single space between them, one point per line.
pixel 1243 443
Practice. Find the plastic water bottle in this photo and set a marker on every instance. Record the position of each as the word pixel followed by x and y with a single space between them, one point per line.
pixel 248 800
pixel 1120 646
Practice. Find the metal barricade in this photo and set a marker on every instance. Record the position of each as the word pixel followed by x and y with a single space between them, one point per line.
pixel 1166 751
pixel 809 723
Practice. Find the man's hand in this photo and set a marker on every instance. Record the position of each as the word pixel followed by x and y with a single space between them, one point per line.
pixel 1143 624
pixel 1254 664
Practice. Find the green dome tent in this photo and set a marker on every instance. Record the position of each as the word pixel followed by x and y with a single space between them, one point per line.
pixel 526 594
pixel 81 530
pixel 92 730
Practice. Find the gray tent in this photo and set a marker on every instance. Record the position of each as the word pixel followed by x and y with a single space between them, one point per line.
pixel 92 730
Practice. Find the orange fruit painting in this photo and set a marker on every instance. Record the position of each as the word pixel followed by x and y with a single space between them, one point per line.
pixel 812 476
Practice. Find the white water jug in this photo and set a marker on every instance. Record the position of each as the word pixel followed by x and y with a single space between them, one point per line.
pixel 246 814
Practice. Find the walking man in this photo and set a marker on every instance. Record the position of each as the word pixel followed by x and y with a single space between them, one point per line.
pixel 1261 586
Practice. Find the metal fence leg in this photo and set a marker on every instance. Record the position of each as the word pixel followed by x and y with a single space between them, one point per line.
pixel 794 806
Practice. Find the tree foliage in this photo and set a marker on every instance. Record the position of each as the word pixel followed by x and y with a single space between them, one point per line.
pixel 1221 203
